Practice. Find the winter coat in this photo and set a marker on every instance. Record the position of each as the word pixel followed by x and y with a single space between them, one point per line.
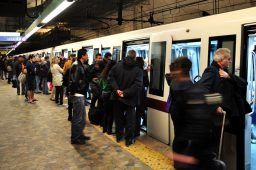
pixel 57 77
pixel 127 77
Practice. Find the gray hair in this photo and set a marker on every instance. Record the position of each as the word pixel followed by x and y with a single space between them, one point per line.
pixel 132 54
pixel 221 54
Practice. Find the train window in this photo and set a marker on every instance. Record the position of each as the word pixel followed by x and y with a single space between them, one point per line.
pixel 90 54
pixel 228 41
pixel 104 51
pixel 158 55
pixel 191 49
pixel 116 53
pixel 140 46
pixel 95 51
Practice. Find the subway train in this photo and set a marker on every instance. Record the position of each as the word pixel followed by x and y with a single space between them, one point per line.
pixel 198 39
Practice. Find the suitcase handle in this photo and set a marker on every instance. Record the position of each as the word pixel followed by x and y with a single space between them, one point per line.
pixel 221 135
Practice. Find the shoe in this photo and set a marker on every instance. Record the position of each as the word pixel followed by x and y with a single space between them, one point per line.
pixel 110 133
pixel 47 93
pixel 18 94
pixel 35 100
pixel 78 142
pixel 129 142
pixel 118 138
pixel 52 99
pixel 70 118
pixel 85 137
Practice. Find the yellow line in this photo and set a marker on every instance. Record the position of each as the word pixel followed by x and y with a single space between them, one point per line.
pixel 150 157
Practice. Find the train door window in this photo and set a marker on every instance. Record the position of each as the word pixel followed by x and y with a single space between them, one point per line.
pixel 140 46
pixel 190 49
pixel 89 53
pixel 116 53
pixel 65 53
pixel 105 50
pixel 95 51
pixel 158 55
pixel 228 41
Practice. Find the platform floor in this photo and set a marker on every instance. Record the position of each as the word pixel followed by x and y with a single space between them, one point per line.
pixel 37 136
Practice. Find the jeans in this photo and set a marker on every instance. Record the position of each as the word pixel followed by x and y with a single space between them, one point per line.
pixel 45 85
pixel 78 119
pixel 37 84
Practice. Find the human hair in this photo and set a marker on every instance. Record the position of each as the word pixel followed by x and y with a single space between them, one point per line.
pixel 140 62
pixel 107 69
pixel 98 54
pixel 221 54
pixel 107 54
pixel 132 54
pixel 183 64
pixel 54 60
pixel 81 53
pixel 31 56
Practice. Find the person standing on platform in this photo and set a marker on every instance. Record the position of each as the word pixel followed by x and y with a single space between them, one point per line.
pixel 126 80
pixel 78 84
pixel 31 79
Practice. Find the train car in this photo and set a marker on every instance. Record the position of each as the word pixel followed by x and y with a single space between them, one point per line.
pixel 198 39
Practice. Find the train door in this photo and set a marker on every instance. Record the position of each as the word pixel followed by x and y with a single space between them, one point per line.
pixel 158 119
pixel 191 49
pixel 141 47
pixel 248 70
pixel 90 54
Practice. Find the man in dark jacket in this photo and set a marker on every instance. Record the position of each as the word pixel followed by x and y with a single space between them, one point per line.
pixel 217 79
pixel 78 84
pixel 126 80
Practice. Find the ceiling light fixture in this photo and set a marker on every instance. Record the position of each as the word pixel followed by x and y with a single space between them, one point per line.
pixel 64 5
pixel 30 33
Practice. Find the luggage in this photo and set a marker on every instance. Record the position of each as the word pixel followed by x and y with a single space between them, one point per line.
pixel 221 134
pixel 95 116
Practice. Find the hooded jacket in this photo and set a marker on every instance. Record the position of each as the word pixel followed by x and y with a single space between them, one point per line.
pixel 127 77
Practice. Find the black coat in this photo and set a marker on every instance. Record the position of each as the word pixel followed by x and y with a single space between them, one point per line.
pixel 127 77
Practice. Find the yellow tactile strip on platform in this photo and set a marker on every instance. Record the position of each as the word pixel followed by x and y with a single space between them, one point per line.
pixel 150 157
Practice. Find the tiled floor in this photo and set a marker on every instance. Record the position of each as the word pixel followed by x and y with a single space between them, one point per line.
pixel 38 137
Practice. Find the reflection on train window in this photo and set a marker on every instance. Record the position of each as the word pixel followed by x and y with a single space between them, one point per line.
pixel 95 51
pixel 158 54
pixel 104 51
pixel 116 53
pixel 229 42
pixel 89 53
pixel 191 49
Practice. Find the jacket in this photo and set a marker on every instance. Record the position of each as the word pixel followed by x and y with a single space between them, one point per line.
pixel 78 80
pixel 127 77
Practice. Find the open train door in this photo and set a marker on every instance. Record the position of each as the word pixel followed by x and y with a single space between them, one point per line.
pixel 158 120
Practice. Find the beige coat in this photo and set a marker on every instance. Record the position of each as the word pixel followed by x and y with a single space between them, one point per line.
pixel 57 77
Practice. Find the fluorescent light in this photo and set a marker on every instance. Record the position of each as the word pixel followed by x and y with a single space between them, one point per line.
pixel 11 34
pixel 9 51
pixel 64 5
pixel 18 44
pixel 30 33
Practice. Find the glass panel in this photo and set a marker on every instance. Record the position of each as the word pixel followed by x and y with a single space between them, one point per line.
pixel 104 51
pixel 142 50
pixel 158 54
pixel 116 53
pixel 213 48
pixel 95 51
pixel 190 50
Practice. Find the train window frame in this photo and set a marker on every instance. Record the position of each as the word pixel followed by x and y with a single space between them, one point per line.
pixel 133 42
pixel 159 91
pixel 95 51
pixel 231 37
pixel 105 48
pixel 188 41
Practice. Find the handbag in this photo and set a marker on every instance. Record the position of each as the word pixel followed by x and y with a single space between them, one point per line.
pixel 22 78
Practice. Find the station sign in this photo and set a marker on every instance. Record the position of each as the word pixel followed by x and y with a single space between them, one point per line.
pixel 10 38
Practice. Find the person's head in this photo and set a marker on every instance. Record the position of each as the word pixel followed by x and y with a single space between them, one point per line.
pixel 132 54
pixel 73 57
pixel 55 60
pixel 180 67
pixel 82 55
pixel 140 62
pixel 31 58
pixel 20 59
pixel 107 56
pixel 223 57
pixel 46 58
pixel 98 57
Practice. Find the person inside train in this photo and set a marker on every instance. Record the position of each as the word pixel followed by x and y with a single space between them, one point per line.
pixel 192 117
pixel 141 108
pixel 126 80
pixel 216 78
pixel 78 84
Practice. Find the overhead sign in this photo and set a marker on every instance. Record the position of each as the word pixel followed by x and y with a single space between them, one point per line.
pixel 10 38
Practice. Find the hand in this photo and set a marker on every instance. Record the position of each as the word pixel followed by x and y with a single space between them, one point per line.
pixel 219 110
pixel 95 79
pixel 120 93
pixel 223 74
